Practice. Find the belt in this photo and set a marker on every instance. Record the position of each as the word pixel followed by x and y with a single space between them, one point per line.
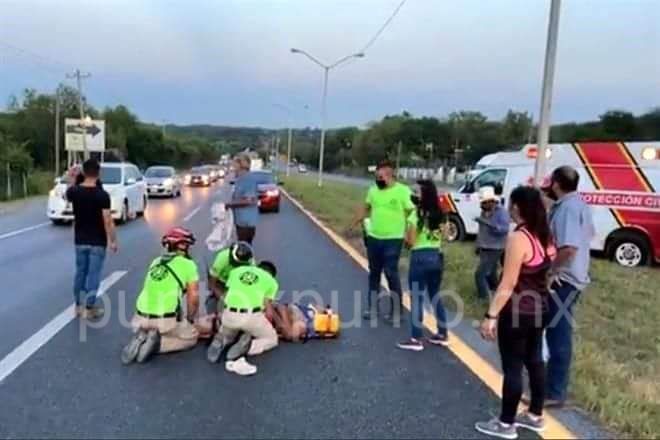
pixel 152 316
pixel 237 310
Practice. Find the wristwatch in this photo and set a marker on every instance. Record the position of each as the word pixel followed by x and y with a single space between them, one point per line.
pixel 489 316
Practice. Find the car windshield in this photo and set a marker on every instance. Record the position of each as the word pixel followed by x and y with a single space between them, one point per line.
pixel 159 172
pixel 200 170
pixel 264 177
pixel 110 175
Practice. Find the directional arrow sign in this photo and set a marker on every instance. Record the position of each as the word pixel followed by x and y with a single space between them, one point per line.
pixel 95 135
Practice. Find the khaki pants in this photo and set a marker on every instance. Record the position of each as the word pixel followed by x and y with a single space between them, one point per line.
pixel 174 335
pixel 254 324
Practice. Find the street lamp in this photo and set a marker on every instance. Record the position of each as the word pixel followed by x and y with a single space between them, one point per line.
pixel 289 115
pixel 326 70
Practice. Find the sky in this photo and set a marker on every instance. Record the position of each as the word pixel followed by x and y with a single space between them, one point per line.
pixel 228 62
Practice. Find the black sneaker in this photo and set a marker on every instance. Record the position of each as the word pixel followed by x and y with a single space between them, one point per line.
pixel 366 315
pixel 214 351
pixel 439 339
pixel 150 347
pixel 130 351
pixel 411 344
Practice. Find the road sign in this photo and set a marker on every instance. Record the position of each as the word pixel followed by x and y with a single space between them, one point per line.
pixel 73 139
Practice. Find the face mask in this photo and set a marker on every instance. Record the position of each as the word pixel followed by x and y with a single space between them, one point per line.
pixel 415 199
pixel 381 184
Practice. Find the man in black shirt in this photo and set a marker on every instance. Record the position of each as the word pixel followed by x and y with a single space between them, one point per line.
pixel 94 232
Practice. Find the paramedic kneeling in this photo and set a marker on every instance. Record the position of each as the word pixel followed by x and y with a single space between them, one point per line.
pixel 157 326
pixel 250 290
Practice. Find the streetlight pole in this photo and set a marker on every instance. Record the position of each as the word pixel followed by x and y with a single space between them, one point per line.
pixel 543 133
pixel 290 134
pixel 326 71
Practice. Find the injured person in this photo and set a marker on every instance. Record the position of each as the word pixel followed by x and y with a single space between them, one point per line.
pixel 301 322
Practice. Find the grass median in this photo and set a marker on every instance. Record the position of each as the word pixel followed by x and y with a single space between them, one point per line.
pixel 616 371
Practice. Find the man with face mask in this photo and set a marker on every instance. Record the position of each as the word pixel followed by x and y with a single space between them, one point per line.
pixel 491 240
pixel 572 227
pixel 387 207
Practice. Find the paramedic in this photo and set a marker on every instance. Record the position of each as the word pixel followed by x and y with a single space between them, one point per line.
pixel 424 237
pixel 387 206
pixel 157 324
pixel 491 240
pixel 250 291
pixel 572 227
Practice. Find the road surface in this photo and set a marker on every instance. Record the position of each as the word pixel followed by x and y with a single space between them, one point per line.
pixel 358 386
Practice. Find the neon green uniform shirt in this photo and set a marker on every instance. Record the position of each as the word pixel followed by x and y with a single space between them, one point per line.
pixel 222 265
pixel 249 286
pixel 389 208
pixel 161 293
pixel 425 239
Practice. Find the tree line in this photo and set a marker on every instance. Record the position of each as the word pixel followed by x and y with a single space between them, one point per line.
pixel 27 134
pixel 459 139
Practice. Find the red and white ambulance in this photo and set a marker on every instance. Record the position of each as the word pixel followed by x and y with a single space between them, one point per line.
pixel 619 180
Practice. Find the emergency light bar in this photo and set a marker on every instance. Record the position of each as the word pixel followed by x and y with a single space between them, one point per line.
pixel 533 152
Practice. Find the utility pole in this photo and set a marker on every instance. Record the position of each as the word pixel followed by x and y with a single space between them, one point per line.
pixel 81 104
pixel 288 154
pixel 398 157
pixel 546 97
pixel 57 131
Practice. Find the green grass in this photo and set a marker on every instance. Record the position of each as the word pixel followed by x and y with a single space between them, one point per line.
pixel 616 370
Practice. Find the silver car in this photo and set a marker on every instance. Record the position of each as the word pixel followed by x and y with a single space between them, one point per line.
pixel 162 181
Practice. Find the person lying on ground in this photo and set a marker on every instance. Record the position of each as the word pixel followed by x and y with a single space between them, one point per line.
pixel 300 322
pixel 157 324
pixel 250 291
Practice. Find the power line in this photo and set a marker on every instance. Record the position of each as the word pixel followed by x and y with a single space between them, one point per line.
pixel 43 60
pixel 383 27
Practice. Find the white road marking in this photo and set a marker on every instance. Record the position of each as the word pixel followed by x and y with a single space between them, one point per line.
pixel 192 214
pixel 30 346
pixel 20 231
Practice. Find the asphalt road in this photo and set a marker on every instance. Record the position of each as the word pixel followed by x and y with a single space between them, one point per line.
pixel 358 386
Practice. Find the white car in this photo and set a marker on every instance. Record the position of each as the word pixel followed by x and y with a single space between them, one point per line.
pixel 162 181
pixel 123 182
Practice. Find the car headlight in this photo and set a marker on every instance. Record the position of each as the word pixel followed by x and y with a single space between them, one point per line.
pixel 205 177
pixel 187 178
pixel 168 182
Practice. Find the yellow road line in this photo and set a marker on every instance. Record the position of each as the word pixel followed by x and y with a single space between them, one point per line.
pixel 474 361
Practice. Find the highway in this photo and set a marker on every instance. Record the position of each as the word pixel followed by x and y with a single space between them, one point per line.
pixel 358 386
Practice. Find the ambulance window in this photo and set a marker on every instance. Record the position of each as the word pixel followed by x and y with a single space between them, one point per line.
pixel 494 178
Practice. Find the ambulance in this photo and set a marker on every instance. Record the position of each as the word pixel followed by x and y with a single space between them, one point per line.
pixel 619 180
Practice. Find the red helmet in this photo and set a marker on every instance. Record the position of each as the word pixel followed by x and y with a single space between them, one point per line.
pixel 178 237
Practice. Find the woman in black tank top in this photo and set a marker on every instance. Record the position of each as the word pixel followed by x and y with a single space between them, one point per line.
pixel 516 315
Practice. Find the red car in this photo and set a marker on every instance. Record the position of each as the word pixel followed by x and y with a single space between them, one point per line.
pixel 269 192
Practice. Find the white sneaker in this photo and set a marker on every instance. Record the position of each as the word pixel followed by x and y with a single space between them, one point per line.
pixel 241 367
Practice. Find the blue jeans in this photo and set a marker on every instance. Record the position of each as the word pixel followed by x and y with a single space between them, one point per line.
pixel 485 276
pixel 425 277
pixel 89 264
pixel 559 336
pixel 383 255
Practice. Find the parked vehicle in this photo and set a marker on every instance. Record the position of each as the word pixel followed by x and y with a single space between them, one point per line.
pixel 302 169
pixel 122 181
pixel 619 180
pixel 162 181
